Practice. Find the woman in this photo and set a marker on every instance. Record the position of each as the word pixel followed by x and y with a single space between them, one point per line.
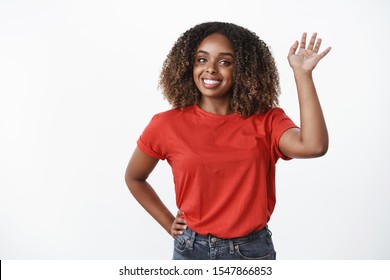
pixel 223 138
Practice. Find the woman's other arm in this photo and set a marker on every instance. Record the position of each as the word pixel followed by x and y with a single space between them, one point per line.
pixel 311 140
pixel 137 172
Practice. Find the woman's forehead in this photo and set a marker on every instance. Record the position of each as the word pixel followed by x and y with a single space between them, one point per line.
pixel 216 42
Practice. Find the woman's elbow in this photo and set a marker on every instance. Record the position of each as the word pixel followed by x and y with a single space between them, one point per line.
pixel 319 150
pixel 131 180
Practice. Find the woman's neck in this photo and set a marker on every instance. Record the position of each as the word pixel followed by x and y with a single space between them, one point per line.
pixel 216 106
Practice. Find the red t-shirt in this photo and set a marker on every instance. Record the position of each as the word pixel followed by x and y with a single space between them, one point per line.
pixel 223 166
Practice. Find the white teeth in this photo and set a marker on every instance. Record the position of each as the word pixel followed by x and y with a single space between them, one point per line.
pixel 210 82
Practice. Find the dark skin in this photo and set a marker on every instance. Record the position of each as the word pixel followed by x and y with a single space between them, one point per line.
pixel 215 64
pixel 137 172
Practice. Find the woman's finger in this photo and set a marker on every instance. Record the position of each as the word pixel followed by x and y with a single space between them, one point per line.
pixel 180 221
pixel 318 45
pixel 325 52
pixel 312 41
pixel 293 48
pixel 179 227
pixel 303 41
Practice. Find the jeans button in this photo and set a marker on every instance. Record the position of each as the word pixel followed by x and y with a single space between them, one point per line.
pixel 213 239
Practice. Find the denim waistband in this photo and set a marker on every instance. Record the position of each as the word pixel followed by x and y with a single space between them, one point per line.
pixel 216 241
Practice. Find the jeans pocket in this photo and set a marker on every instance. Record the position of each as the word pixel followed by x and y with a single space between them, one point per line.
pixel 181 243
pixel 252 254
pixel 258 249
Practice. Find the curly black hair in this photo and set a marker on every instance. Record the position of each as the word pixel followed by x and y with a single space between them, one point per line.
pixel 256 79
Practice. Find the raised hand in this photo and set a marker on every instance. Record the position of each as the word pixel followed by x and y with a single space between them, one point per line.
pixel 308 57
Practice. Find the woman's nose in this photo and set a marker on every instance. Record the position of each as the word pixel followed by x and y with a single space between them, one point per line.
pixel 211 68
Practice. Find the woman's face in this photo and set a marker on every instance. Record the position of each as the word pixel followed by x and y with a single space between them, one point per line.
pixel 213 67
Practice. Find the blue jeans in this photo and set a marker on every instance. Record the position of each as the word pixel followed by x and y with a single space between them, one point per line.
pixel 254 246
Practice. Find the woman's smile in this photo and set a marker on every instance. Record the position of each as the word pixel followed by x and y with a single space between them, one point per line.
pixel 211 83
pixel 214 67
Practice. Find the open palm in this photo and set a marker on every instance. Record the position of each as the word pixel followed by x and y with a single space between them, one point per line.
pixel 306 59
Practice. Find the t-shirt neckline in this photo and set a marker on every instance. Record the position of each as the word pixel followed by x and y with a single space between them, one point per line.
pixel 216 116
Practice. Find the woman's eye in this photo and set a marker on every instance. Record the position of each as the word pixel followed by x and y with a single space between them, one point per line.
pixel 201 60
pixel 225 62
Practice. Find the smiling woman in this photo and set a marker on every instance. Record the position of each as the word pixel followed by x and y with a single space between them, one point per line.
pixel 255 85
pixel 213 73
pixel 223 138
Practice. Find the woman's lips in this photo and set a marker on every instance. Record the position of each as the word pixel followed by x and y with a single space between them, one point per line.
pixel 211 83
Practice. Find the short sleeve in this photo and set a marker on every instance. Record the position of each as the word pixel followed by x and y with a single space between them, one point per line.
pixel 279 123
pixel 150 141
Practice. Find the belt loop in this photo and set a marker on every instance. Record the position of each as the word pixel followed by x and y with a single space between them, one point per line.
pixel 192 240
pixel 231 245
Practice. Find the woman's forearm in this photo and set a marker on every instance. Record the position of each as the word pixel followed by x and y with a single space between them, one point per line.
pixel 150 201
pixel 314 134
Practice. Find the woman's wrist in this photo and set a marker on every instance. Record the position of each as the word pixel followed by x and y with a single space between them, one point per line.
pixel 300 72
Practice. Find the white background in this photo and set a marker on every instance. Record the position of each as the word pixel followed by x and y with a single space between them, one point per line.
pixel 78 83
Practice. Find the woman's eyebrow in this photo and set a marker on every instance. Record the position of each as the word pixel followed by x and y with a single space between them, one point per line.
pixel 221 53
